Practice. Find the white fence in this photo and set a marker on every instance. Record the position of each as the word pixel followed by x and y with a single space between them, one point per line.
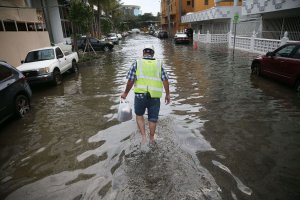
pixel 251 44
pixel 210 38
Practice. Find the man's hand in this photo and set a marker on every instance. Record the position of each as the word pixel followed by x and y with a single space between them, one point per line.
pixel 167 99
pixel 124 95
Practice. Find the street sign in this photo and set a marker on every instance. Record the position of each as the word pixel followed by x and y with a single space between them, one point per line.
pixel 236 18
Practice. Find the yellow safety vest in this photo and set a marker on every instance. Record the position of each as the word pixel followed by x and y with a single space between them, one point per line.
pixel 148 75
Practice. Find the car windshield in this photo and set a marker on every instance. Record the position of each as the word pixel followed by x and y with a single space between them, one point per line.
pixel 39 55
pixel 112 35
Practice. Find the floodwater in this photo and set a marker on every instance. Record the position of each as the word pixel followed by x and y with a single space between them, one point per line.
pixel 225 135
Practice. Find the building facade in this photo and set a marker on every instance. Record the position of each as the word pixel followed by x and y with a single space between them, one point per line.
pixel 268 19
pixel 31 24
pixel 185 13
pixel 21 28
pixel 131 10
pixel 171 13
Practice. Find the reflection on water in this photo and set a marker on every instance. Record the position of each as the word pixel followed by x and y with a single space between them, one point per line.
pixel 226 135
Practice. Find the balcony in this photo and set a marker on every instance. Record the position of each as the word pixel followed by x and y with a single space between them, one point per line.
pixel 221 12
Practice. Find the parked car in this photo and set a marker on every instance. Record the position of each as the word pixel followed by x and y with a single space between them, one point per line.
pixel 125 34
pixel 98 45
pixel 135 30
pixel 162 34
pixel 119 36
pixel 181 38
pixel 15 93
pixel 112 37
pixel 48 64
pixel 189 32
pixel 283 65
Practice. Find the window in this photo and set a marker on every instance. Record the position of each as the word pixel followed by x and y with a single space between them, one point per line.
pixel 21 26
pixel 39 26
pixel 59 53
pixel 205 2
pixel 4 72
pixel 31 26
pixel 1 26
pixel 10 26
pixel 33 56
pixel 297 54
pixel 285 51
pixel 93 40
pixel 193 3
pixel 188 3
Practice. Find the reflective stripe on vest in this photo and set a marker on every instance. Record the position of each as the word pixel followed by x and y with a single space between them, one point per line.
pixel 149 78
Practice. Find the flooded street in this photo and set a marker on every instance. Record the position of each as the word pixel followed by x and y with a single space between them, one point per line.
pixel 225 135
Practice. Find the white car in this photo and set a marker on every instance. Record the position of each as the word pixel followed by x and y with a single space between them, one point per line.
pixel 135 30
pixel 181 38
pixel 112 37
pixel 119 36
pixel 48 64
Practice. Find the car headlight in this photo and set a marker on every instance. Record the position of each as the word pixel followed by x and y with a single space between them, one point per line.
pixel 44 70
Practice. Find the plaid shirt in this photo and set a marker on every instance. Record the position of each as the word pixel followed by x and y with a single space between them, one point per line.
pixel 132 72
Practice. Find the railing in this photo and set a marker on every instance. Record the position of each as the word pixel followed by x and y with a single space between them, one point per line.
pixel 265 45
pixel 241 43
pixel 252 44
pixel 219 38
pixel 257 45
pixel 210 38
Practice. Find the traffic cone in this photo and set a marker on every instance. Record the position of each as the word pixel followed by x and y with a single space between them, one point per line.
pixel 195 45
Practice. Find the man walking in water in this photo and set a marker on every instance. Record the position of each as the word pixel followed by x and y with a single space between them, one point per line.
pixel 148 77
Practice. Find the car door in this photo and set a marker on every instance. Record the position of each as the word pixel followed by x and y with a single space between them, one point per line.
pixel 95 44
pixel 64 64
pixel 283 60
pixel 5 93
pixel 291 68
pixel 274 65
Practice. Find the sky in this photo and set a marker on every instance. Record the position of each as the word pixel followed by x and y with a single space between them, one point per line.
pixel 147 6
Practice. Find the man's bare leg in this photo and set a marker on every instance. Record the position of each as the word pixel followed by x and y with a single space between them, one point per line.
pixel 141 124
pixel 152 127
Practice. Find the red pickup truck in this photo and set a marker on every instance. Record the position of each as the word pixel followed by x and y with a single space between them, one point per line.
pixel 283 65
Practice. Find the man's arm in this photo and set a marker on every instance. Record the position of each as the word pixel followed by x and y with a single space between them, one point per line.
pixel 131 78
pixel 127 89
pixel 166 86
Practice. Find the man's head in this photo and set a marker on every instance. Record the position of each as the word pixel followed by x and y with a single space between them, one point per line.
pixel 148 50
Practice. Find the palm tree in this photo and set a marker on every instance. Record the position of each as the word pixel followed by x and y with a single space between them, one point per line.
pixel 108 6
pixel 80 16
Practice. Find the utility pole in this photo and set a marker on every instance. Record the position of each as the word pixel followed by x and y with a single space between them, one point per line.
pixel 179 13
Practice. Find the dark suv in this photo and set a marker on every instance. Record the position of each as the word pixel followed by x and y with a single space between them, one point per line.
pixel 15 93
pixel 162 34
pixel 97 45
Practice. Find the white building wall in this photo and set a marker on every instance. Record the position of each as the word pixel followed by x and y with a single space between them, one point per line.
pixel 263 6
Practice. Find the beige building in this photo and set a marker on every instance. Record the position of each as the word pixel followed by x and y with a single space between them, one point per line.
pixel 21 29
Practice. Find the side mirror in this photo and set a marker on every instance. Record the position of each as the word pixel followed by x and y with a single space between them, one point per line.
pixel 22 61
pixel 270 54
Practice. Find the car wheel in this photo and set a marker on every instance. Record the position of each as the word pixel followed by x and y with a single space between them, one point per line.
pixel 106 48
pixel 57 78
pixel 75 68
pixel 255 69
pixel 22 105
